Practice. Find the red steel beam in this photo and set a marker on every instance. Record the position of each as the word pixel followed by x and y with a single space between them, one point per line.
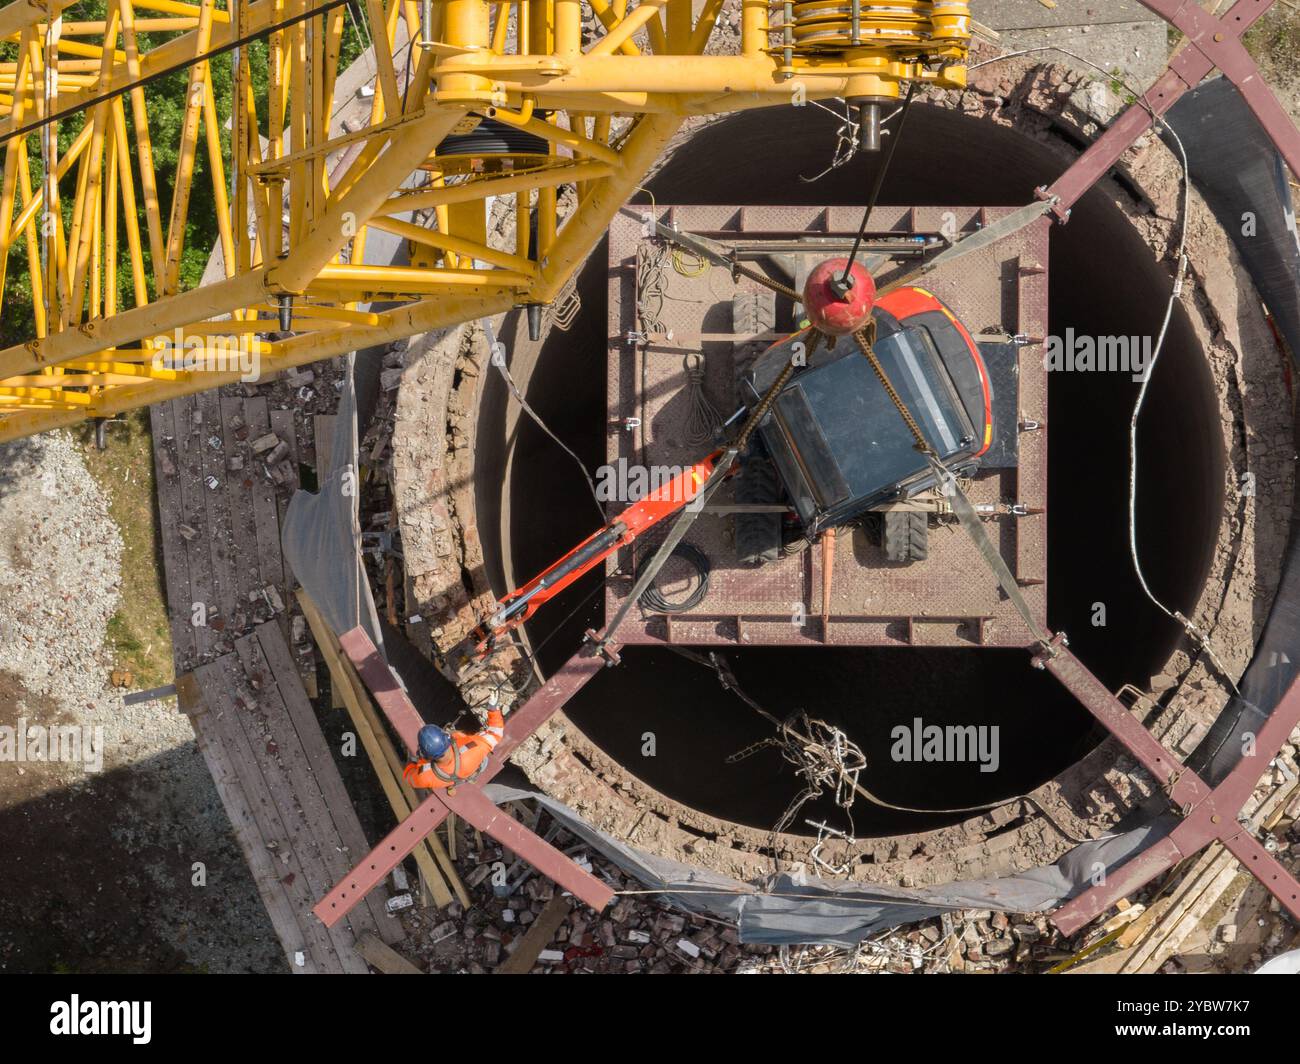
pixel 384 685
pixel 464 800
pixel 1184 787
pixel 1218 40
pixel 1210 814
pixel 1211 42
pixel 480 811
pixel 398 843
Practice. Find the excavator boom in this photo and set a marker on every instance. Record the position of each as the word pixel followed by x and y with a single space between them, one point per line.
pixel 662 502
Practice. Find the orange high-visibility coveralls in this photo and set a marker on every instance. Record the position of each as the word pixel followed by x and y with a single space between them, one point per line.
pixel 463 759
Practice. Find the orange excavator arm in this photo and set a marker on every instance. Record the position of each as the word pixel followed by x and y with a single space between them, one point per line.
pixel 518 606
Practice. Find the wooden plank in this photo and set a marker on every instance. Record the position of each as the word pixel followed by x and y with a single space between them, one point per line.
pixel 221 725
pixel 385 958
pixel 266 877
pixel 323 431
pixel 292 759
pixel 1184 915
pixel 323 437
pixel 216 532
pixel 239 499
pixel 537 938
pixel 429 853
pixel 283 424
pixel 189 469
pixel 176 570
pixel 218 683
pixel 189 697
pixel 256 717
pixel 325 772
pixel 265 508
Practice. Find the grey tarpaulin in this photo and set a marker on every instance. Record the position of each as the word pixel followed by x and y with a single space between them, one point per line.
pixel 322 533
pixel 794 910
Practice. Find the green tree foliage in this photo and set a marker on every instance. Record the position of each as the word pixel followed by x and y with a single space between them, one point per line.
pixel 165 100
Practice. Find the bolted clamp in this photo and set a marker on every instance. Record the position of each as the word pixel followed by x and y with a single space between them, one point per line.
pixel 1047 651
pixel 603 647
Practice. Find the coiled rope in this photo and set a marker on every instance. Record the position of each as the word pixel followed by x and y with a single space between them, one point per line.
pixel 703 421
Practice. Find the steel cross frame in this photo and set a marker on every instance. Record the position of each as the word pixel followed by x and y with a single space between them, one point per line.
pixel 467 799
pixel 1209 815
pixel 1210 43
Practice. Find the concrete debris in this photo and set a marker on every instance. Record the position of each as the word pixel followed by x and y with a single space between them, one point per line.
pixel 283 474
pixel 638 934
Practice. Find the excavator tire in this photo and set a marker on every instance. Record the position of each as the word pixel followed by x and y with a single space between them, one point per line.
pixel 905 536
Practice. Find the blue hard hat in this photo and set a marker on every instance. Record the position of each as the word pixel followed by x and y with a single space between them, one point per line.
pixel 433 742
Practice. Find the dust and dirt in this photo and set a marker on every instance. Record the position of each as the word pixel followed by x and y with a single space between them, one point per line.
pixel 117 854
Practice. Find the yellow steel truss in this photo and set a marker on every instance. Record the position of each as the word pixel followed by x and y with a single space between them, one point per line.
pixel 295 196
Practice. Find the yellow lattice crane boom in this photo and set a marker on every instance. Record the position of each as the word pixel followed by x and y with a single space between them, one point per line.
pixel 511 100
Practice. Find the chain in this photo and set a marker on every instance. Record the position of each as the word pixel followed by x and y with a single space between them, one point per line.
pixel 866 337
pixel 779 287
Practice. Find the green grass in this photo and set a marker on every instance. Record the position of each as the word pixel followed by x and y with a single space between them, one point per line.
pixel 1274 41
pixel 138 636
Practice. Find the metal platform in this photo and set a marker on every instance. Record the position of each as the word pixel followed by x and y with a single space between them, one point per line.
pixel 660 314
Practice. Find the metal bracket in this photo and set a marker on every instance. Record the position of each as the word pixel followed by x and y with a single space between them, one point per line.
pixel 603 647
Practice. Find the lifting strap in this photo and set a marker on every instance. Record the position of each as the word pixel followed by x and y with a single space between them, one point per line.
pixel 975 529
pixel 982 238
pixel 961 506
pixel 696 506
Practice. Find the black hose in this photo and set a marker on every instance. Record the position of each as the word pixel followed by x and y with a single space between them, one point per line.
pixel 652 599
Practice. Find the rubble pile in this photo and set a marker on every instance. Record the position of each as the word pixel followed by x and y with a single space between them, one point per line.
pixel 638 934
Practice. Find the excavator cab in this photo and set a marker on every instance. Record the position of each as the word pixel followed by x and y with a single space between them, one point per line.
pixel 838 443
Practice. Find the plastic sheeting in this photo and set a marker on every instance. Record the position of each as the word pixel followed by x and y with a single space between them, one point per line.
pixel 1282 964
pixel 322 532
pixel 1244 181
pixel 802 910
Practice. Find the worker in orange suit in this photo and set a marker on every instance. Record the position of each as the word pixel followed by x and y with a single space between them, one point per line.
pixel 447 759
